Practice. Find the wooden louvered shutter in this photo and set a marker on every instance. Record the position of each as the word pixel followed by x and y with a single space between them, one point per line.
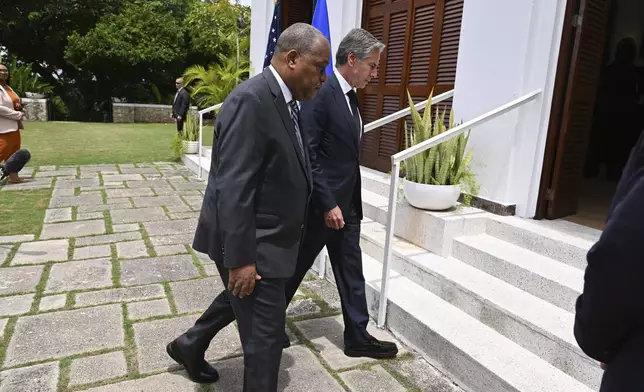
pixel 578 108
pixel 422 38
pixel 295 11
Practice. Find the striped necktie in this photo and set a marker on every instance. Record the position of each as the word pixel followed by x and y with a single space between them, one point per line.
pixel 295 116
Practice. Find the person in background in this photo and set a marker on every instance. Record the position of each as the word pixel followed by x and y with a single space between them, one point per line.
pixel 11 116
pixel 180 105
pixel 609 319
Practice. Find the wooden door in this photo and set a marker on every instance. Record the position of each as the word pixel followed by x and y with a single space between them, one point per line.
pixel 296 11
pixel 591 25
pixel 422 38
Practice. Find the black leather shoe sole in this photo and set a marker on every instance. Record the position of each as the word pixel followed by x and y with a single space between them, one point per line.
pixel 287 341
pixel 200 377
pixel 370 353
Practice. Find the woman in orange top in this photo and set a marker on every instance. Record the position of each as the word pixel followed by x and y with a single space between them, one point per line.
pixel 10 121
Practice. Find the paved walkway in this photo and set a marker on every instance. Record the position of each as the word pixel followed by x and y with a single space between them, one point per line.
pixel 89 303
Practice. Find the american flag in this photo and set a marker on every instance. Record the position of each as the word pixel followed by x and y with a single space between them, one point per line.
pixel 274 33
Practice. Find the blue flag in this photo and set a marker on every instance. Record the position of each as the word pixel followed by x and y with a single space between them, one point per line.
pixel 321 22
pixel 273 33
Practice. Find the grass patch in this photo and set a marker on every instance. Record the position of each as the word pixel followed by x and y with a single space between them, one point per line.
pixel 10 256
pixel 109 226
pixel 73 143
pixel 8 332
pixel 170 296
pixel 130 345
pixel 197 262
pixel 23 212
pixel 40 289
pixel 116 267
pixel 146 240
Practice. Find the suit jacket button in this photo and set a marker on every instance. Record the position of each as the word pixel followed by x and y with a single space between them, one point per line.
pixel 302 227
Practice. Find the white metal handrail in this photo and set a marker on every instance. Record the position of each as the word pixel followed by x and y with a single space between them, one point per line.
pixel 201 113
pixel 396 159
pixel 406 112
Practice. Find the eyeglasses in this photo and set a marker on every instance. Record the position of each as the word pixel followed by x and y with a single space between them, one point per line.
pixel 4 72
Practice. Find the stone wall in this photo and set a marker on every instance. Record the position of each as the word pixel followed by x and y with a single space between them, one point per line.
pixel 36 109
pixel 143 113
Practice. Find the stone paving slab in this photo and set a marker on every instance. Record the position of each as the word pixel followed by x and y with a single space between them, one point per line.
pixel 121 177
pixel 37 378
pixel 138 215
pixel 302 307
pixel 79 275
pixel 139 170
pixel 97 368
pixel 129 192
pixel 19 279
pixel 54 215
pixel 171 227
pixel 83 182
pixel 131 250
pixel 184 215
pixel 375 379
pixel 147 309
pixel 31 185
pixel 127 294
pixel 108 238
pixel 166 382
pixel 15 305
pixel 125 227
pixel 166 250
pixel 299 371
pixel 41 252
pixel 72 229
pixel 60 334
pixel 104 207
pixel 75 201
pixel 159 269
pixel 90 215
pixel 57 173
pixel 146 183
pixel 53 302
pixel 177 239
pixel 153 336
pixel 327 335
pixel 156 201
pixel 92 252
pixel 196 295
pixel 11 239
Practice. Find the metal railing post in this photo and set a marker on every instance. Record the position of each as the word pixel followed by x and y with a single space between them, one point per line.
pixel 200 142
pixel 389 241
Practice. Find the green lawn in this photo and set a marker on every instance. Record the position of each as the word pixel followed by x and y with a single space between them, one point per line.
pixel 67 143
pixel 71 143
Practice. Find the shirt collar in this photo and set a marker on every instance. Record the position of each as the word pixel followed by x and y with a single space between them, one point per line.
pixel 288 97
pixel 344 85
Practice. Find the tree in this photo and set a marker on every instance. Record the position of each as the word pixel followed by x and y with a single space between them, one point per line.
pixel 210 86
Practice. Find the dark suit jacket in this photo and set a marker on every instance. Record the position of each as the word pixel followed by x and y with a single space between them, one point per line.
pixel 259 186
pixel 181 104
pixel 609 320
pixel 334 148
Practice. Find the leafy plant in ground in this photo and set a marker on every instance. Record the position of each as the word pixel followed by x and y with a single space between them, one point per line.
pixel 210 86
pixel 445 164
pixel 24 79
pixel 190 133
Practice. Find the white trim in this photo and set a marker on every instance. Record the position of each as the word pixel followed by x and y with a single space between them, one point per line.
pixel 145 105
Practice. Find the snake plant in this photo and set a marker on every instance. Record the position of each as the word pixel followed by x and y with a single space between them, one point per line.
pixel 445 164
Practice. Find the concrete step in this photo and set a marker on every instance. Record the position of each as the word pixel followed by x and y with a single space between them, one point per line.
pixel 476 356
pixel 375 181
pixel 430 230
pixel 556 282
pixel 536 325
pixel 553 240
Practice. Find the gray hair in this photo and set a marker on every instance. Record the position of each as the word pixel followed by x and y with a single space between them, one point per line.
pixel 360 42
pixel 300 37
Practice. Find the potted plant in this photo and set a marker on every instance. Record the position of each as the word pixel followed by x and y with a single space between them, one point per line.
pixel 435 178
pixel 190 135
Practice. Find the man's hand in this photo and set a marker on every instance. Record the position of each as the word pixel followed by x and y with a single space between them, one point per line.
pixel 602 365
pixel 179 118
pixel 20 116
pixel 334 219
pixel 241 281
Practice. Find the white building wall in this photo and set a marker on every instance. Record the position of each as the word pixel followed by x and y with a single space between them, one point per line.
pixel 343 16
pixel 509 48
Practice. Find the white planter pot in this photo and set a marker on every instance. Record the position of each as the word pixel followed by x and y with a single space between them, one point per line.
pixel 191 147
pixel 431 197
pixel 34 95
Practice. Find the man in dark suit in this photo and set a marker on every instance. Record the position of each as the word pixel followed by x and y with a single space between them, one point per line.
pixel 609 319
pixel 334 129
pixel 180 105
pixel 254 210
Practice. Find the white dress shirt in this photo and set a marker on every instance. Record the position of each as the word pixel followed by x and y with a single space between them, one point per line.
pixel 288 96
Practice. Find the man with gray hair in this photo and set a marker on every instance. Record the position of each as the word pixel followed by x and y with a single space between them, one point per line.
pixel 334 129
pixel 254 210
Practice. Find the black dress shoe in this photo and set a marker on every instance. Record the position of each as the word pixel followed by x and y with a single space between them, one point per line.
pixel 374 348
pixel 287 341
pixel 198 370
